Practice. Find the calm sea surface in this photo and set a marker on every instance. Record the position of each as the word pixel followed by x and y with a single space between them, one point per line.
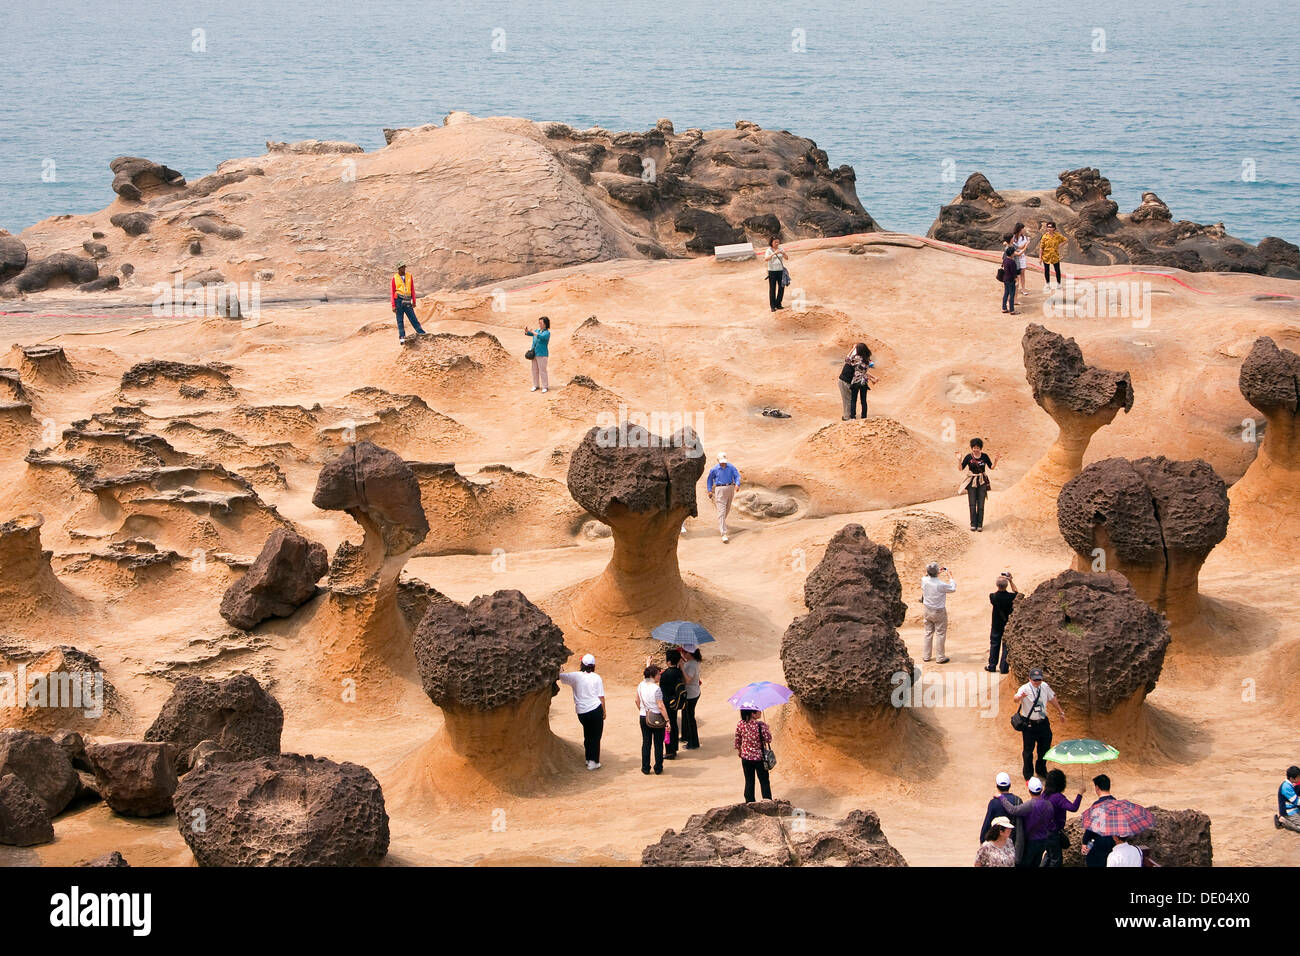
pixel 1199 101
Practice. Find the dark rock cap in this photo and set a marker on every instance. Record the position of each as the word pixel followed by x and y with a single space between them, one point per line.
pixel 375 482
pixel 628 465
pixel 1055 369
pixel 1270 377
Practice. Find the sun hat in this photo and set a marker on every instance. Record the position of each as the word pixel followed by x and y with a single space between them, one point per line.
pixel 1002 822
pixel 1035 785
pixel 401 265
pixel 589 659
pixel 1036 674
pixel 1003 780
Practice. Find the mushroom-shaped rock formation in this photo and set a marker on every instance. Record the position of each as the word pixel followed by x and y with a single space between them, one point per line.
pixel 135 779
pixel 1178 838
pixel 1099 644
pixel 1153 520
pixel 491 667
pixel 361 620
pixel 282 578
pixel 41 765
pixel 1266 500
pixel 1081 398
pixel 283 810
pixel 643 487
pixel 135 178
pixel 773 833
pixel 236 713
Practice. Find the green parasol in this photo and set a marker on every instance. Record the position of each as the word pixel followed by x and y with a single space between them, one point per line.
pixel 1081 751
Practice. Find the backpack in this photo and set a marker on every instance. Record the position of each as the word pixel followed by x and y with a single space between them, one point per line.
pixel 674 688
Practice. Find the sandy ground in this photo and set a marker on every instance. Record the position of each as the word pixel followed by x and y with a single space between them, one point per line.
pixel 696 338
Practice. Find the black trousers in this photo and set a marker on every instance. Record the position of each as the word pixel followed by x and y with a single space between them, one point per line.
pixel 753 767
pixel 975 497
pixel 995 644
pixel 593 727
pixel 1038 735
pixel 648 735
pixel 1034 850
pixel 673 739
pixel 690 730
pixel 1047 275
pixel 856 393
pixel 775 291
pixel 1055 852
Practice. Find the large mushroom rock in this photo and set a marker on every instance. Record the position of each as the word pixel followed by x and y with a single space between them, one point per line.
pixel 379 490
pixel 135 178
pixel 28 585
pixel 643 487
pixel 1099 644
pixel 236 713
pixel 283 810
pixel 13 256
pixel 773 833
pixel 491 667
pixel 135 779
pixel 1097 233
pixel 24 820
pixel 1179 838
pixel 41 765
pixel 60 689
pixel 1266 500
pixel 38 275
pixel 1154 520
pixel 282 578
pixel 1081 398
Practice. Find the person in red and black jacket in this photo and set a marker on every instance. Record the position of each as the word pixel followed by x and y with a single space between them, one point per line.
pixel 402 297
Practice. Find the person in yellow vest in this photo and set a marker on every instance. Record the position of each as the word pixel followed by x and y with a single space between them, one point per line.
pixel 402 294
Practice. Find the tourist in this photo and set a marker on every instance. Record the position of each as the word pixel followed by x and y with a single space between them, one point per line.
pixel 1033 699
pixel 1003 782
pixel 654 718
pixel 1008 274
pixel 1288 802
pixel 974 467
pixel 402 296
pixel 691 671
pixel 672 683
pixel 721 485
pixel 1055 794
pixel 852 362
pixel 1124 853
pixel 1038 816
pixel 778 277
pixel 1020 242
pixel 589 701
pixel 1097 846
pixel 752 735
pixel 862 380
pixel 539 353
pixel 1004 602
pixel 998 849
pixel 1049 251
pixel 934 599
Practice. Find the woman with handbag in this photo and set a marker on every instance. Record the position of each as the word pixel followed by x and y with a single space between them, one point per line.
pixel 539 353
pixel 778 277
pixel 1054 791
pixel 654 718
pixel 752 739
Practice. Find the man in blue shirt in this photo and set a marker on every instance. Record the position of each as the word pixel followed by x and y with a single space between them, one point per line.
pixel 1288 801
pixel 722 483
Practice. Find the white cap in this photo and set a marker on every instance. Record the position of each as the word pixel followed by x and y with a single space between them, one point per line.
pixel 1035 785
pixel 1003 822
pixel 722 458
pixel 589 659
pixel 1003 779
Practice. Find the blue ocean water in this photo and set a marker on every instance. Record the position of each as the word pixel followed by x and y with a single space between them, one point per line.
pixel 1197 100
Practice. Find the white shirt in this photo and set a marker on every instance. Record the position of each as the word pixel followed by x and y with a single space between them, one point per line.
pixel 935 591
pixel 588 689
pixel 1021 245
pixel 648 695
pixel 775 260
pixel 1044 692
pixel 1124 854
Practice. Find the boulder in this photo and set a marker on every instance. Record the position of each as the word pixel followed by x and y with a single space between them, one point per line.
pixel 765 504
pixel 112 859
pixel 773 833
pixel 281 580
pixel 13 256
pixel 132 223
pixel 135 178
pixel 62 265
pixel 284 810
pixel 135 779
pixel 236 714
pixel 24 819
pixel 1180 838
pixel 41 765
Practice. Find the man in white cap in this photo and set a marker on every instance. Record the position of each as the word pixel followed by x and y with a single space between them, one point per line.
pixel 722 483
pixel 995 809
pixel 589 701
pixel 1038 822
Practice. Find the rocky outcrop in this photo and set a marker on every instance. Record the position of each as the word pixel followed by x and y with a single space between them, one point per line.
pixel 643 486
pixel 13 256
pixel 1153 520
pixel 284 810
pixel 1081 398
pixel 773 833
pixel 27 581
pixel 41 765
pixel 135 779
pixel 841 656
pixel 236 714
pixel 112 859
pixel 66 689
pixel 1266 500
pixel 1099 234
pixel 24 819
pixel 135 179
pixel 38 275
pixel 282 578
pixel 1100 646
pixel 1179 838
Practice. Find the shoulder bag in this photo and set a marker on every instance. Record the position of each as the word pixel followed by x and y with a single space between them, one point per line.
pixel 1018 720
